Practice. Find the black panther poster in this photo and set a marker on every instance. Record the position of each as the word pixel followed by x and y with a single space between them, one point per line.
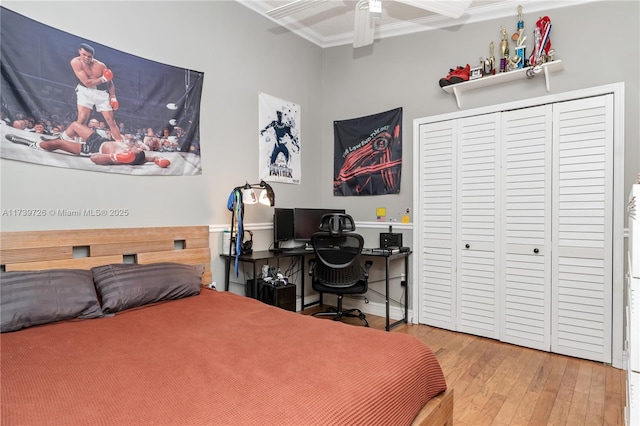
pixel 368 154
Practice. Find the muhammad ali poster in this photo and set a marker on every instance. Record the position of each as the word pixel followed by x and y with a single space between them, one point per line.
pixel 279 140
pixel 74 103
pixel 368 154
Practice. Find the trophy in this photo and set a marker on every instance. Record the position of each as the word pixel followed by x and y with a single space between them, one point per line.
pixel 542 51
pixel 488 64
pixel 504 50
pixel 518 38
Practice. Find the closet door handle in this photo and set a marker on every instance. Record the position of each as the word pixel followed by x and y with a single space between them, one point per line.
pixel 467 245
pixel 536 251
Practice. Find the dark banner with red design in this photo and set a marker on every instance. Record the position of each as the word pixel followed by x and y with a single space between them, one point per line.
pixel 368 154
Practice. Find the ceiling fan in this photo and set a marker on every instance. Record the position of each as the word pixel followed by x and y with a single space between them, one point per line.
pixel 369 12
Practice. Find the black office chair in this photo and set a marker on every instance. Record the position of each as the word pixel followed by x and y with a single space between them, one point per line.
pixel 336 268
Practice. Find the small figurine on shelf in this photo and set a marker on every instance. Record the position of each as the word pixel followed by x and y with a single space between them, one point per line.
pixel 504 50
pixel 519 38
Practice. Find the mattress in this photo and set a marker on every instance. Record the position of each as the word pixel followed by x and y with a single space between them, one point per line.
pixel 214 358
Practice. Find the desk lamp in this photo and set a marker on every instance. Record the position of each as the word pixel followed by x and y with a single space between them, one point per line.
pixel 241 195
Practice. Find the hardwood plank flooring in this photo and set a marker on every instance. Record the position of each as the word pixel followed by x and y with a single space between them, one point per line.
pixel 497 383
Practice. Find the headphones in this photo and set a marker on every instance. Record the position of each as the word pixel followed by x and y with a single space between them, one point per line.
pixel 247 246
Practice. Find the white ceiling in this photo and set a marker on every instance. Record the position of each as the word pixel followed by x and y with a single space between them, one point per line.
pixel 331 23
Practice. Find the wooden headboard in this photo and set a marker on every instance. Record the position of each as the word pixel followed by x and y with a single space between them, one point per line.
pixel 86 248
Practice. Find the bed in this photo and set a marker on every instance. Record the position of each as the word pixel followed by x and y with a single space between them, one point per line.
pixel 160 348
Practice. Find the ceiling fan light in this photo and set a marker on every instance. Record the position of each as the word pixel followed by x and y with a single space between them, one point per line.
pixel 375 8
pixel 363 29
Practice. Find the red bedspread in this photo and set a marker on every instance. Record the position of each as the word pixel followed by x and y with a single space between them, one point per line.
pixel 215 358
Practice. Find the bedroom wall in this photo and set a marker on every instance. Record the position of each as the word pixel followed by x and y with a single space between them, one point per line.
pixel 599 44
pixel 240 54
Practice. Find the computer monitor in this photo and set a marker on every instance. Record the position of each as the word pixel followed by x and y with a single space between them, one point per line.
pixel 307 221
pixel 282 226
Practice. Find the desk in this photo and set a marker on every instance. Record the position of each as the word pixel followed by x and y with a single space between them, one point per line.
pixel 258 256
pixel 387 260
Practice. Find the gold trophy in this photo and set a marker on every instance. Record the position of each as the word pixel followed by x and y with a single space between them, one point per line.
pixel 504 50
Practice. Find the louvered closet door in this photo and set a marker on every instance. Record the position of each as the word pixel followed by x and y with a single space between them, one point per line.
pixel 436 254
pixel 478 218
pixel 582 230
pixel 526 275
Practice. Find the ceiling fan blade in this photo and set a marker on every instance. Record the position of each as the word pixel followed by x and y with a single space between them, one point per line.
pixel 293 7
pixel 450 8
pixel 364 25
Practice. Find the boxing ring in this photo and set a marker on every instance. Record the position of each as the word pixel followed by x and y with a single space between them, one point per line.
pixel 182 163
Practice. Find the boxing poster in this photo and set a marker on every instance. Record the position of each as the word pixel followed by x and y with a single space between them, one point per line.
pixel 71 102
pixel 368 154
pixel 278 140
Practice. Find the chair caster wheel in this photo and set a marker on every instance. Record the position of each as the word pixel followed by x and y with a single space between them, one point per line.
pixel 364 318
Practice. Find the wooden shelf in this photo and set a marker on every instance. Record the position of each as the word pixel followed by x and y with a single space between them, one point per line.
pixel 500 78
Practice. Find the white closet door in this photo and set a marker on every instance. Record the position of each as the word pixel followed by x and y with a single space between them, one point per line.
pixel 435 246
pixel 478 230
pixel 582 229
pixel 526 275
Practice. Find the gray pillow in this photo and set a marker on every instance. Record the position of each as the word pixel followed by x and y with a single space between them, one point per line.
pixel 29 298
pixel 124 286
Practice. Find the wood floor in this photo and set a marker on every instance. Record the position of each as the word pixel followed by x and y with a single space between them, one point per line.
pixel 501 384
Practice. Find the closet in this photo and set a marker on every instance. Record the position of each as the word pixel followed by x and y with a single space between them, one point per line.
pixel 514 224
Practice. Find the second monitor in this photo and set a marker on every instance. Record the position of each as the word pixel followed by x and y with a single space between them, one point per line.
pixel 282 226
pixel 297 224
pixel 307 221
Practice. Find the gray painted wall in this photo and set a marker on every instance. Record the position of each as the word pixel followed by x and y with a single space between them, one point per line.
pixel 242 54
pixel 597 42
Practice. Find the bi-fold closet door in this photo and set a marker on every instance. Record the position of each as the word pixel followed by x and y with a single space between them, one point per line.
pixel 515 226
pixel 582 228
pixel 478 224
pixel 525 274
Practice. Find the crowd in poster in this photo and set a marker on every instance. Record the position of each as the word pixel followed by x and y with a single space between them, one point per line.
pixel 368 154
pixel 71 102
pixel 279 140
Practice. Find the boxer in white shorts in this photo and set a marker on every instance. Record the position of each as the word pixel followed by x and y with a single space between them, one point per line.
pixel 96 89
pixel 89 97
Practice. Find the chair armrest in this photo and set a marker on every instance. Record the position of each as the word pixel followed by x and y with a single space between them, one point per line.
pixel 367 266
pixel 312 266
